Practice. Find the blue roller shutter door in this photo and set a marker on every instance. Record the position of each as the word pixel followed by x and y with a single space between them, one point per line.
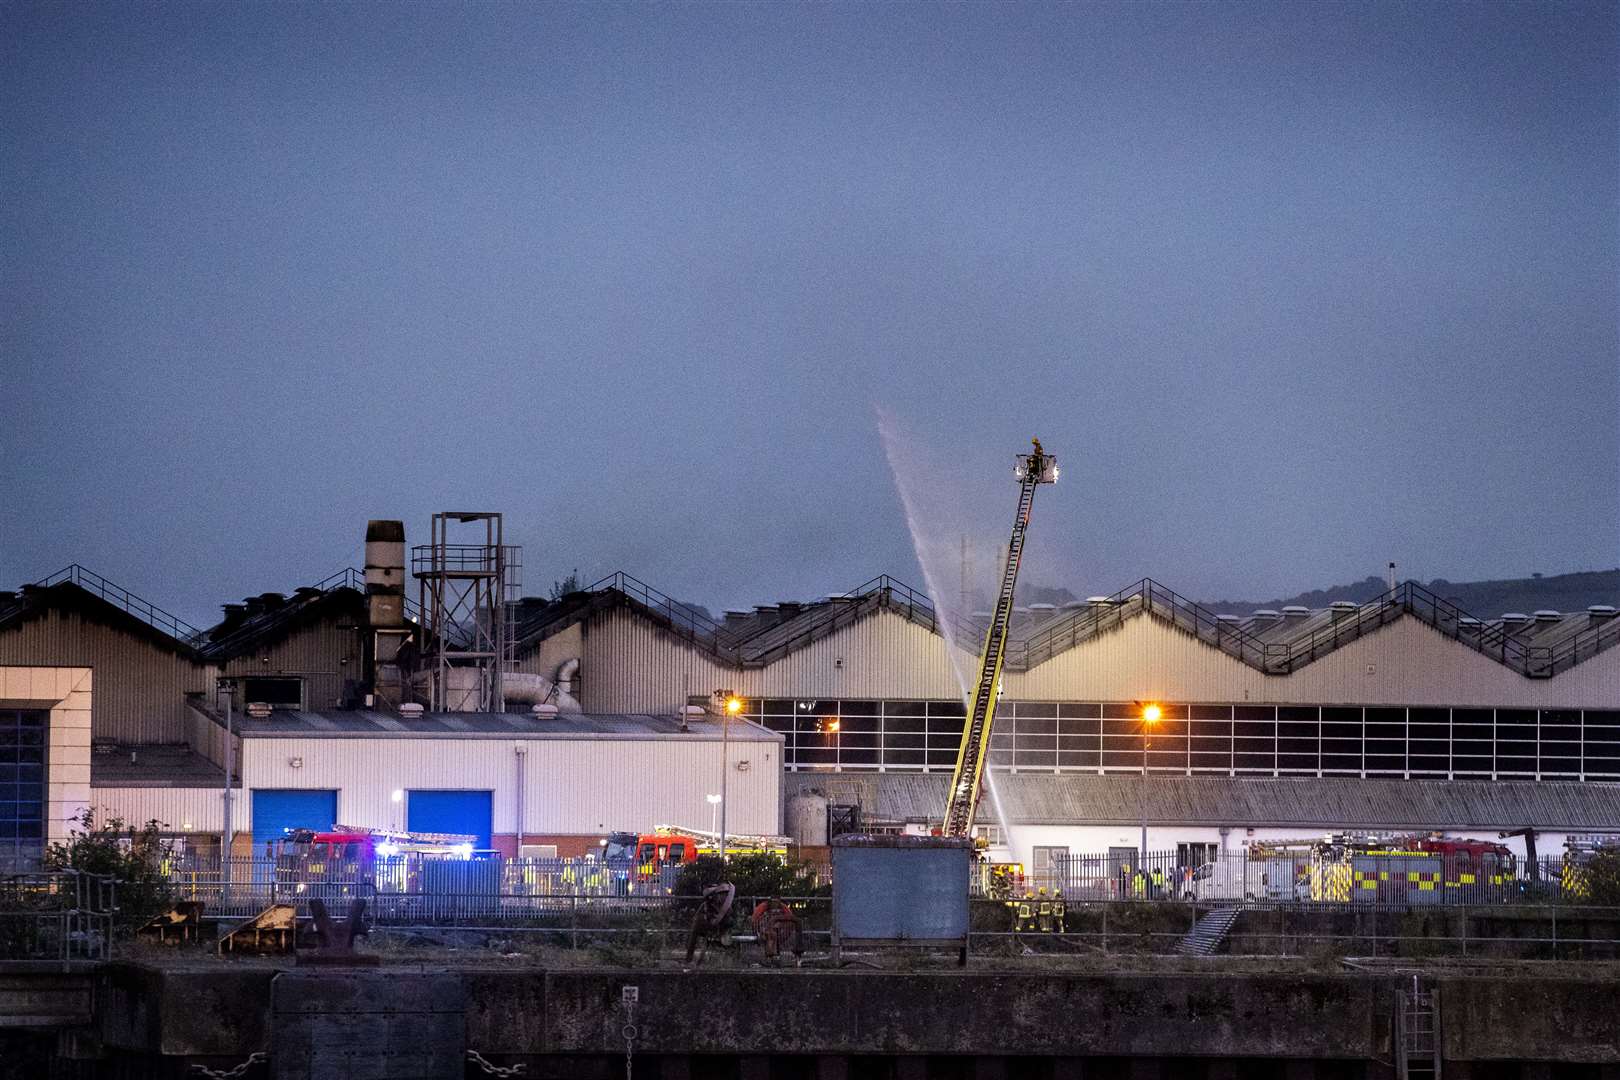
pixel 277 810
pixel 468 813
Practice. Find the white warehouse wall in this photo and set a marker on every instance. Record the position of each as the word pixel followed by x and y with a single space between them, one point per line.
pixel 572 786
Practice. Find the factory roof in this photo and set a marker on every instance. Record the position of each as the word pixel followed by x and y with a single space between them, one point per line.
pixel 270 617
pixel 152 766
pixel 371 723
pixel 1081 799
pixel 1273 642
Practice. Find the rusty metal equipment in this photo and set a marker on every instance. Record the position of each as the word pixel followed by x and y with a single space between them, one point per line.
pixel 334 940
pixel 711 919
pixel 272 930
pixel 182 922
pixel 778 929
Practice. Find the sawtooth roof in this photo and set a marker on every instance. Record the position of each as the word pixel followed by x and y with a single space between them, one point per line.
pixel 1089 799
pixel 1275 644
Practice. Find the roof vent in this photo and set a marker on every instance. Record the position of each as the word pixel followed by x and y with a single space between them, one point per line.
pixel 1469 625
pixel 1099 600
pixel 1601 611
pixel 1229 618
pixel 1547 616
pixel 543 710
pixel 1295 611
pixel 1072 605
pixel 1267 613
pixel 1515 617
pixel 305 592
pixel 258 710
pixel 410 711
pixel 1342 608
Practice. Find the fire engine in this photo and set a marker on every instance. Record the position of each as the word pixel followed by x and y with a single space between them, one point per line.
pixel 1410 869
pixel 1579 851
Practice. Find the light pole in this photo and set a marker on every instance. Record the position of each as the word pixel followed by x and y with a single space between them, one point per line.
pixel 731 705
pixel 714 813
pixel 226 832
pixel 1150 716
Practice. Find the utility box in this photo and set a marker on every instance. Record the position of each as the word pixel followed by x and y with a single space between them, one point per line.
pixel 901 891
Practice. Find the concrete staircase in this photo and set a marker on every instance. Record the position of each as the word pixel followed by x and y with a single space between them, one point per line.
pixel 1208 933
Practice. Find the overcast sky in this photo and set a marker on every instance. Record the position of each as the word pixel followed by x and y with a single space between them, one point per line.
pixel 1290 290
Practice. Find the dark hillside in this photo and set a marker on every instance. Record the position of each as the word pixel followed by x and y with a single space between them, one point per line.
pixel 1486 599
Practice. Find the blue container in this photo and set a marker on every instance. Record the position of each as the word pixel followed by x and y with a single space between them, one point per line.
pixel 901 890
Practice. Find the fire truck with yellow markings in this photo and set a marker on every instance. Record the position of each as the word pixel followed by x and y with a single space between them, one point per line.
pixel 1410 869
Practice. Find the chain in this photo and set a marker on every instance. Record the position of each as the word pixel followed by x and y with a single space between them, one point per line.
pixel 255 1058
pixel 492 1069
pixel 629 1032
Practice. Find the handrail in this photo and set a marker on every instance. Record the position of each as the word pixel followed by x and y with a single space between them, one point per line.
pixel 347 578
pixel 684 620
pixel 127 601
pixel 1276 657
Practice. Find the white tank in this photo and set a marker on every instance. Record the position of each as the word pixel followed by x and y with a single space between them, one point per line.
pixel 807 819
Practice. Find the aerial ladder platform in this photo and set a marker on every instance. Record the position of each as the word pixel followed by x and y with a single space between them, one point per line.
pixel 962 801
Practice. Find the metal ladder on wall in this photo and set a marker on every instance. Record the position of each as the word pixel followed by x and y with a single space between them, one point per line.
pixel 1417 1034
pixel 963 797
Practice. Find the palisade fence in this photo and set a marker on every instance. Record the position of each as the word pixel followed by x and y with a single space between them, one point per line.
pixel 414 888
pixel 57 916
pixel 1391 879
pixel 438 889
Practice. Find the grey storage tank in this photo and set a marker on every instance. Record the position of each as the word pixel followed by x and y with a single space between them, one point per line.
pixel 807 818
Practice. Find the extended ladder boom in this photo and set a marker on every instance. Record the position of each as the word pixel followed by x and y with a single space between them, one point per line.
pixel 963 798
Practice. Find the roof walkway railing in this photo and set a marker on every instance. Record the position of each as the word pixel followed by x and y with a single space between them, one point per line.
pixel 681 619
pixel 835 613
pixel 347 578
pixel 126 601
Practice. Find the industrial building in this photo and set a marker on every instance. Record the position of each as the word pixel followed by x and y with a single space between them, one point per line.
pixel 1400 713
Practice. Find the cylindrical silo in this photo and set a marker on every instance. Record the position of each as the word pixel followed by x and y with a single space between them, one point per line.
pixel 807 819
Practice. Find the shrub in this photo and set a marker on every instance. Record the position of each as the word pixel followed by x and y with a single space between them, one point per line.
pixel 1603 879
pixel 134 857
pixel 755 874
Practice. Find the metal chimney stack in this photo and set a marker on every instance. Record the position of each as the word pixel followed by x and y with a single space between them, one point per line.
pixel 385 574
pixel 385 611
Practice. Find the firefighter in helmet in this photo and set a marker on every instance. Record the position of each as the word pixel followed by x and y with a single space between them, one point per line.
pixel 1044 910
pixel 1026 912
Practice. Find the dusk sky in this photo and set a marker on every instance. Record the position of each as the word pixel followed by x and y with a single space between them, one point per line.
pixel 702 291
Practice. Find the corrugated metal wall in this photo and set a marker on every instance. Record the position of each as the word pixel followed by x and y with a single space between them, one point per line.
pixel 322 653
pixel 571 786
pixel 179 809
pixel 567 645
pixel 631 666
pixel 140 688
pixel 1405 663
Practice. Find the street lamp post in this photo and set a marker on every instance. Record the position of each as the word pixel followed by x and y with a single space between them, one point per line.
pixel 731 705
pixel 1150 716
pixel 227 831
pixel 714 813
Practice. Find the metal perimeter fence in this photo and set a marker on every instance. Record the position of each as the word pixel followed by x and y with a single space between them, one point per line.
pixel 59 916
pixel 1330 875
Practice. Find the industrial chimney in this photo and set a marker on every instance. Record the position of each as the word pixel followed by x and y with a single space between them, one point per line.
pixel 385 611
pixel 385 574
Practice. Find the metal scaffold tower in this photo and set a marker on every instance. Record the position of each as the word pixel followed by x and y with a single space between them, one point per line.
pixel 468 594
pixel 962 800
